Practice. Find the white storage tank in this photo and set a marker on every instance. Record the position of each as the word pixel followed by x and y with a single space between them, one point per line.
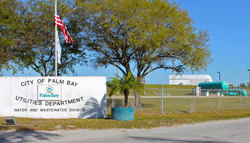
pixel 188 79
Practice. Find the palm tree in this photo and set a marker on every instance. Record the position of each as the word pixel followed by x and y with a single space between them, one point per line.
pixel 124 85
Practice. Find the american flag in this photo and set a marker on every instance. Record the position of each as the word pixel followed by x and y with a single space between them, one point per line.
pixel 59 22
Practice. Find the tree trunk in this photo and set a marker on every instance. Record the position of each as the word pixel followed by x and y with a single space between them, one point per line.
pixel 137 100
pixel 126 93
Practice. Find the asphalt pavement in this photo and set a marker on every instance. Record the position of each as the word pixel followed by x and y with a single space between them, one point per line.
pixel 226 131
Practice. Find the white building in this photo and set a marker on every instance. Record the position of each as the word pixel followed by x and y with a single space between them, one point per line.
pixel 188 79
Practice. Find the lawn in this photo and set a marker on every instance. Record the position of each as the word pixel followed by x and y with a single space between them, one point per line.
pixel 181 105
pixel 175 113
pixel 168 92
pixel 171 90
pixel 168 86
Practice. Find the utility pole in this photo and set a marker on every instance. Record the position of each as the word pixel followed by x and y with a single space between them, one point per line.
pixel 249 77
pixel 219 75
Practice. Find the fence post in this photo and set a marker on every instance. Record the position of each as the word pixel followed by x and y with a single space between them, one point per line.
pixel 240 99
pixel 162 98
pixel 219 100
pixel 113 101
pixel 194 102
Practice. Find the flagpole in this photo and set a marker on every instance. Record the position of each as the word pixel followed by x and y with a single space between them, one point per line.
pixel 55 39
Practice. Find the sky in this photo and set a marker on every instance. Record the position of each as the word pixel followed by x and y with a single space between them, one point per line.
pixel 228 23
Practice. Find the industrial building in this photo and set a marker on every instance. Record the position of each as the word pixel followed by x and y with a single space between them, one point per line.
pixel 188 79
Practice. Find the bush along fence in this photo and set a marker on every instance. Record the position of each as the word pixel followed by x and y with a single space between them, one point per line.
pixel 161 101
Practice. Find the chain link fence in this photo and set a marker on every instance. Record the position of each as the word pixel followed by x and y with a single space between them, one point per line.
pixel 159 100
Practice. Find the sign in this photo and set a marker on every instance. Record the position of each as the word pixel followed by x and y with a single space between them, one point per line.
pixel 49 92
pixel 53 97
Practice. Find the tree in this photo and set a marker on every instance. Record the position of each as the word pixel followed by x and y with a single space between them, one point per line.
pixel 124 85
pixel 248 84
pixel 8 8
pixel 141 36
pixel 34 43
pixel 242 85
pixel 230 85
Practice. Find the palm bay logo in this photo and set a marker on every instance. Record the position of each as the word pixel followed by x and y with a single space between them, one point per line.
pixel 49 92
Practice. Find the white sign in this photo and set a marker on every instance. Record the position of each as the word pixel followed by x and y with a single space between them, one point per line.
pixel 53 97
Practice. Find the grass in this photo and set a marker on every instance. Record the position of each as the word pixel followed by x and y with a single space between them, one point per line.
pixel 169 90
pixel 142 120
pixel 246 88
pixel 175 113
pixel 181 105
pixel 167 86
pixel 172 90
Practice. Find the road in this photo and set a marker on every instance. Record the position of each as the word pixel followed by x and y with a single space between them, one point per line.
pixel 182 97
pixel 229 131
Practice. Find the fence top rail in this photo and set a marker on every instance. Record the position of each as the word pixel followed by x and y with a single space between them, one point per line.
pixel 167 89
pixel 204 97
pixel 193 89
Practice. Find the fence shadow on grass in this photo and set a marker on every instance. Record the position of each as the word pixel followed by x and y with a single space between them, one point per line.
pixel 190 94
pixel 147 105
pixel 182 111
pixel 118 102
